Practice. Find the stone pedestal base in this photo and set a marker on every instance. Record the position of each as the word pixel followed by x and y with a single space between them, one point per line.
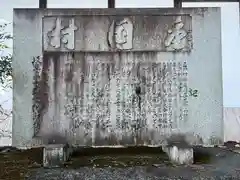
pixel 54 155
pixel 179 155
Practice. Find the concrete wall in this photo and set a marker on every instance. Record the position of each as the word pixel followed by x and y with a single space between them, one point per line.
pixel 231 124
pixel 191 105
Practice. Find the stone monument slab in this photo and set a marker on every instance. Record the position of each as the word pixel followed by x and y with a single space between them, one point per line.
pixel 117 77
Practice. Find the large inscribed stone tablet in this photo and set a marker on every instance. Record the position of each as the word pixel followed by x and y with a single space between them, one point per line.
pixel 108 77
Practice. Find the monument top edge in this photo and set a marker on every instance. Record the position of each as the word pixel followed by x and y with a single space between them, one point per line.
pixel 115 11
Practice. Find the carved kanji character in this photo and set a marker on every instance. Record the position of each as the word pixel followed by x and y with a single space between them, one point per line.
pixel 176 39
pixel 120 34
pixel 68 35
pixel 55 34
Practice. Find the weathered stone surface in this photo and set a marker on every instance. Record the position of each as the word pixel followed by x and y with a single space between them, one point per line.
pixel 54 155
pixel 179 155
pixel 140 33
pixel 178 149
pixel 109 77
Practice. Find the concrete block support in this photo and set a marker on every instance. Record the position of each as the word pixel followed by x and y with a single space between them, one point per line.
pixel 179 155
pixel 55 155
pixel 178 149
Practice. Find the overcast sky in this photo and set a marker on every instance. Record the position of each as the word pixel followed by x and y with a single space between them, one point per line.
pixel 230 32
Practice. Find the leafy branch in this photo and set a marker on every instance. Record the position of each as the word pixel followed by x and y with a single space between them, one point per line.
pixel 5 76
pixel 5 59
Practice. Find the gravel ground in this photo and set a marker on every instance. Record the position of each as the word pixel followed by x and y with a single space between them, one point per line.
pixel 134 173
pixel 224 164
